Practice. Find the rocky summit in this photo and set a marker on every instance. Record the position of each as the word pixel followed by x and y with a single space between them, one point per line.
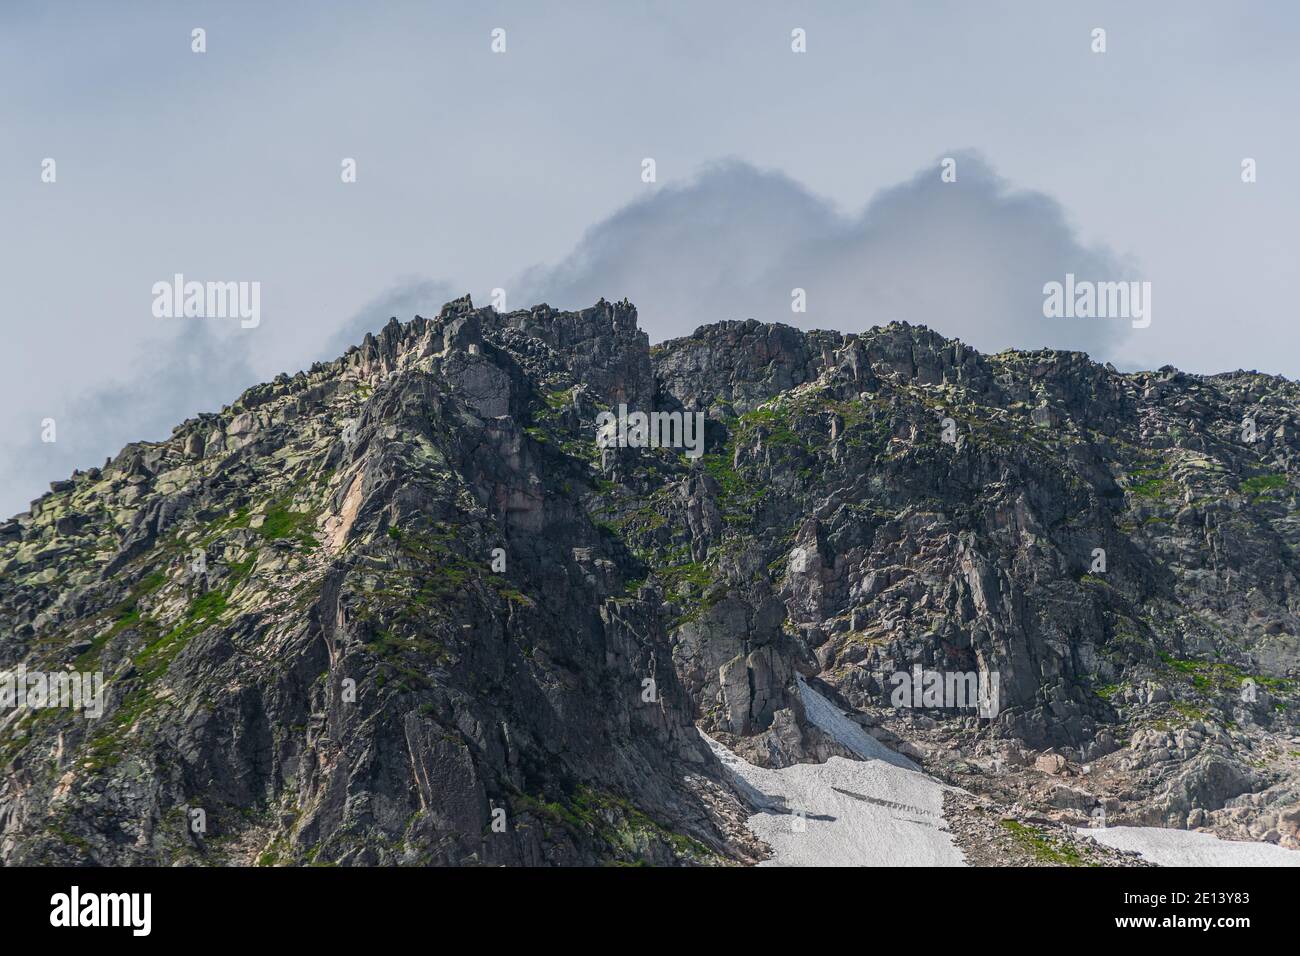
pixel 406 608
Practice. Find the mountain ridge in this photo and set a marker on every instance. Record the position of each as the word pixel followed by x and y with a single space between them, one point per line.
pixel 350 518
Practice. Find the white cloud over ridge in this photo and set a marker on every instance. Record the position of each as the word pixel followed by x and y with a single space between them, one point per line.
pixel 969 259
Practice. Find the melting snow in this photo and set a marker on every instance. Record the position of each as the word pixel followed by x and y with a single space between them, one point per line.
pixel 883 811
pixel 877 811
pixel 1166 847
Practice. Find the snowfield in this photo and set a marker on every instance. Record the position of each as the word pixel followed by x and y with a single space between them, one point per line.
pixel 1166 847
pixel 877 811
pixel 882 810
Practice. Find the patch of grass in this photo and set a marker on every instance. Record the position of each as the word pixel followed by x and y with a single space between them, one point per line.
pixel 1218 676
pixel 1047 851
pixel 155 658
pixel 106 747
pixel 1257 486
pixel 240 570
pixel 558 399
pixel 614 821
pixel 129 616
pixel 150 582
pixel 1153 489
pixel 720 468
pixel 240 519
pixel 1189 712
pixel 280 522
pixel 64 836
pixel 1182 666
pixel 126 616
pixel 698 575
pixel 775 425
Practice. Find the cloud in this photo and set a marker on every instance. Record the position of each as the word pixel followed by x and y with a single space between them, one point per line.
pixel 196 369
pixel 408 297
pixel 969 259
pixel 717 248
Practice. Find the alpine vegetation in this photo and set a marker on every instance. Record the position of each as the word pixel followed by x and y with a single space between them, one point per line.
pixel 400 609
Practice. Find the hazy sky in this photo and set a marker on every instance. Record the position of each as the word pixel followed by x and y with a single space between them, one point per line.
pixel 523 170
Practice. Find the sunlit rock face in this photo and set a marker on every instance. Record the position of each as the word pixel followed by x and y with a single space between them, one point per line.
pixel 403 608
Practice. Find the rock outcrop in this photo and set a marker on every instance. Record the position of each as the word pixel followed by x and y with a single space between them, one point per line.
pixel 402 609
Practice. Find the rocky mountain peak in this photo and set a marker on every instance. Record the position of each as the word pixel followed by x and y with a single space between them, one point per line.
pixel 403 607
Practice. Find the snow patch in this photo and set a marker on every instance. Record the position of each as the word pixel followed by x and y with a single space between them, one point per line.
pixel 847 733
pixel 877 811
pixel 1166 847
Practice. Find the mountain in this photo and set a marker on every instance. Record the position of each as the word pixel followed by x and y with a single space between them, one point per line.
pixel 403 608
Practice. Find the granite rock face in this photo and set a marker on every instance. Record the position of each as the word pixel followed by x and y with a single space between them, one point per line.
pixel 402 609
